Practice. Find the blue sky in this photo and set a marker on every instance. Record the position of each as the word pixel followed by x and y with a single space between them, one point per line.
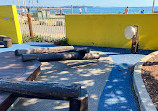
pixel 102 3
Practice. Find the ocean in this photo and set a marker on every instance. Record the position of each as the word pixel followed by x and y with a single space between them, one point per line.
pixel 104 10
pixel 108 10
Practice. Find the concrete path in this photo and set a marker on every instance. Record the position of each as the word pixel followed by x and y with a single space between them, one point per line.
pixel 118 94
pixel 91 74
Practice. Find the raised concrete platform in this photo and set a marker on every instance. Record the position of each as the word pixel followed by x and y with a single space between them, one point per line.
pixel 13 69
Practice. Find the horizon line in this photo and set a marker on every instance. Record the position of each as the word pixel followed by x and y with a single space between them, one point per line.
pixel 83 6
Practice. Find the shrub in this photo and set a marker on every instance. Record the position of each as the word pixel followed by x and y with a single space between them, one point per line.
pixel 36 38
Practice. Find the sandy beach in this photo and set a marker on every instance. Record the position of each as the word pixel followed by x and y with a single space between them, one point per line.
pixel 54 27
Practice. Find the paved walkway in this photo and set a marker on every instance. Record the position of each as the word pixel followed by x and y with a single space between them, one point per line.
pixel 117 95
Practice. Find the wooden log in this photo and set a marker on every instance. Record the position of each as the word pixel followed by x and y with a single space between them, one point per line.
pixel 82 50
pixel 43 50
pixel 80 103
pixel 59 56
pixel 42 90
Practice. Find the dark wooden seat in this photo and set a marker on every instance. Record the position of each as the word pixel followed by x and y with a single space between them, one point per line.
pixel 6 41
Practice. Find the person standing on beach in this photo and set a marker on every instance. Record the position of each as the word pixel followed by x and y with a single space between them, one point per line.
pixel 80 10
pixel 85 10
pixel 142 12
pixel 126 10
pixel 55 12
pixel 23 10
pixel 61 11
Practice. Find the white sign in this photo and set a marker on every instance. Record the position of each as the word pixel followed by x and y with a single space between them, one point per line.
pixel 130 32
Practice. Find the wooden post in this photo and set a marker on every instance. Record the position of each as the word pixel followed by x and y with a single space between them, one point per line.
pixel 30 25
pixel 80 103
pixel 153 6
pixel 135 41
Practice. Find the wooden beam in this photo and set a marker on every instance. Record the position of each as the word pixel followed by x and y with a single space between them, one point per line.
pixel 153 6
pixel 59 56
pixel 42 90
pixel 43 50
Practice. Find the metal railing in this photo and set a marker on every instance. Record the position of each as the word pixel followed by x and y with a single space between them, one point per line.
pixel 6 18
pixel 49 28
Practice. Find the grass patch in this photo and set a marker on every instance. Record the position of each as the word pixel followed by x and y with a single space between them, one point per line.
pixel 36 38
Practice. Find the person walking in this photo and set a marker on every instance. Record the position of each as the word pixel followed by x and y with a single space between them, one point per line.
pixel 126 10
pixel 80 10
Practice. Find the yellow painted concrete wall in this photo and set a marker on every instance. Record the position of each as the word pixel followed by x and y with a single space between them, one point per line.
pixel 10 28
pixel 108 30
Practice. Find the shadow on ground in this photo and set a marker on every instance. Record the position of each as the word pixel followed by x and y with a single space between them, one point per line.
pixel 91 74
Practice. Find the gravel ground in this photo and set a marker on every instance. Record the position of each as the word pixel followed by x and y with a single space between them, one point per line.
pixel 150 78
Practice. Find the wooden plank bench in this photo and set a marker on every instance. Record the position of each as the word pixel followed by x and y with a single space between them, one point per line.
pixel 13 69
pixel 6 41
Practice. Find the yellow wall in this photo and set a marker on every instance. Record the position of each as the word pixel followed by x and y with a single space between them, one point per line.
pixel 108 30
pixel 10 28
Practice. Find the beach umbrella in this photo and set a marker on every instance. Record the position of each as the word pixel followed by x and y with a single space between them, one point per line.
pixel 153 6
